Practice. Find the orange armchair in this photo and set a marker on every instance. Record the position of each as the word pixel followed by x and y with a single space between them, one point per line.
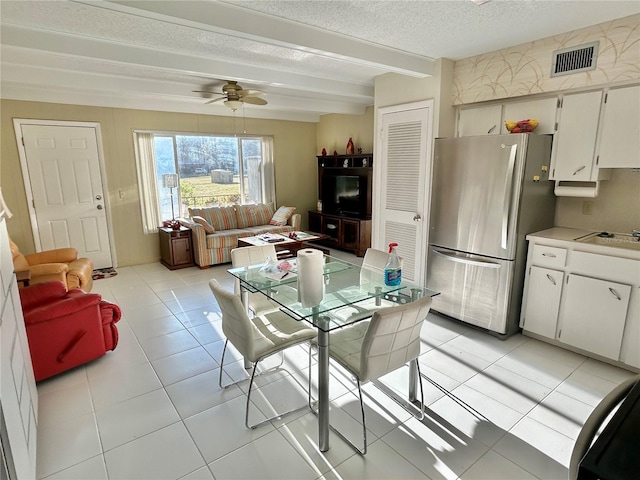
pixel 61 264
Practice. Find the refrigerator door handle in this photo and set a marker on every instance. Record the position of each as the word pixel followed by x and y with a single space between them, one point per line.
pixel 507 193
pixel 477 263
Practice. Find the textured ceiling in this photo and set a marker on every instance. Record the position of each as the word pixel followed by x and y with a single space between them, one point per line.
pixel 311 57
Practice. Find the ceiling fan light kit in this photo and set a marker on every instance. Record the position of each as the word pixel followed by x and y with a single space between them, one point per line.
pixel 233 104
pixel 235 96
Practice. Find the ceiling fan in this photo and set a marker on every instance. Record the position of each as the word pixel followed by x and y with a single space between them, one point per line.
pixel 234 96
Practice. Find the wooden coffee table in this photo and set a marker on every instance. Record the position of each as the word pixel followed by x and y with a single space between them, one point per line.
pixel 285 246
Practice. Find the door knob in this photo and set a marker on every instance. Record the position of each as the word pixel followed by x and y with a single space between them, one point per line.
pixel 99 207
pixel 417 217
pixel 98 197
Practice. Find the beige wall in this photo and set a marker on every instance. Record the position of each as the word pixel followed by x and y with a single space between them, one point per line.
pixel 393 89
pixel 334 131
pixel 615 209
pixel 294 153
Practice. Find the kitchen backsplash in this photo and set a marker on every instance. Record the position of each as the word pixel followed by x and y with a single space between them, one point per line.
pixel 525 69
pixel 615 209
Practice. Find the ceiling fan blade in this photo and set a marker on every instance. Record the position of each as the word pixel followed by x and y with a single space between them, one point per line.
pixel 251 93
pixel 254 100
pixel 215 100
pixel 207 91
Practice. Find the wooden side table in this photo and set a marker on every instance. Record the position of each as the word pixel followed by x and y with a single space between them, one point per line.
pixel 175 248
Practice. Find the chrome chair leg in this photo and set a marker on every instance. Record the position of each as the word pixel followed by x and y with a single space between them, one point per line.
pixel 421 390
pixel 224 350
pixel 363 451
pixel 275 417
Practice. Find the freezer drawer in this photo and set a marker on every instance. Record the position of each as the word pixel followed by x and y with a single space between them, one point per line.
pixel 472 288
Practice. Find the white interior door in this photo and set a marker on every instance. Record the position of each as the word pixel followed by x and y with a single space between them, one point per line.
pixel 402 181
pixel 63 178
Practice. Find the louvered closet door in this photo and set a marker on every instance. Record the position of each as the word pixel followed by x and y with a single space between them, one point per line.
pixel 404 192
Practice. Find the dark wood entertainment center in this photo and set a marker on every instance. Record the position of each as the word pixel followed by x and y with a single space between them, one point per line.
pixel 348 227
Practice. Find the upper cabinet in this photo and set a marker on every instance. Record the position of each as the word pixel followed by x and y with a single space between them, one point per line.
pixel 593 131
pixel 485 120
pixel 620 140
pixel 489 119
pixel 574 145
pixel 542 109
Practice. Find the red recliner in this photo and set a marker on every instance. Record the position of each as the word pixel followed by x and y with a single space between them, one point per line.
pixel 66 329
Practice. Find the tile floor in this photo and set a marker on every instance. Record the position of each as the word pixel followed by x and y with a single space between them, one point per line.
pixel 152 408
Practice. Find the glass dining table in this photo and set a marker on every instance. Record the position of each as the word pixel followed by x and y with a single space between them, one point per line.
pixel 351 294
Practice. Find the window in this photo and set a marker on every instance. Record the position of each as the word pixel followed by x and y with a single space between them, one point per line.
pixel 213 170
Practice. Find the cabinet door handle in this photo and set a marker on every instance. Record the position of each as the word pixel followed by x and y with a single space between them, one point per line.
pixel 551 279
pixel 614 293
pixel 579 169
pixel 550 255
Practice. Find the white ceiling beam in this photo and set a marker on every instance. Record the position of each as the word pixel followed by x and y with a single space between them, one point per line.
pixel 83 47
pixel 35 76
pixel 83 81
pixel 70 96
pixel 243 23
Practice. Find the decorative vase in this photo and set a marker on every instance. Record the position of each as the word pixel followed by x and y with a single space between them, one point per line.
pixel 324 152
pixel 350 147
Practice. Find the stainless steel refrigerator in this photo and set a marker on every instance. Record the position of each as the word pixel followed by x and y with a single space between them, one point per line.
pixel 487 193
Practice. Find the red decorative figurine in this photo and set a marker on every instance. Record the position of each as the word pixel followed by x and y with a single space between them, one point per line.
pixel 350 147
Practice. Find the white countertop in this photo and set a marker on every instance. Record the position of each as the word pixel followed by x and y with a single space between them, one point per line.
pixel 559 235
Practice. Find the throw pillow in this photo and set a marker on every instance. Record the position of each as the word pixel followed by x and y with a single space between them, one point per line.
pixel 282 216
pixel 206 225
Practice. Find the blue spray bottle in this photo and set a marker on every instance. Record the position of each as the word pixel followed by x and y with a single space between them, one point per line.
pixel 393 269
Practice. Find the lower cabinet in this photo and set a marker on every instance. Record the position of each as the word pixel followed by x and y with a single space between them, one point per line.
pixel 346 233
pixel 585 298
pixel 543 302
pixel 594 314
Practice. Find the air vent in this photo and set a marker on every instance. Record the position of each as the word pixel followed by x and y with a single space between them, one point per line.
pixel 575 59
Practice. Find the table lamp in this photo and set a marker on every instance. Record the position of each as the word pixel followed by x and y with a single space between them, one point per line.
pixel 170 181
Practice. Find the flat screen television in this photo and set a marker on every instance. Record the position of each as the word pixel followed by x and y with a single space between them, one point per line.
pixel 344 195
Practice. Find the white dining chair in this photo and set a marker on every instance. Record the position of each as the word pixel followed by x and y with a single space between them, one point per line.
pixel 256 338
pixel 372 348
pixel 372 269
pixel 245 256
pixel 594 422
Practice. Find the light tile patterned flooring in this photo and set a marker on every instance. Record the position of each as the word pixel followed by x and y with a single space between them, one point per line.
pixel 153 409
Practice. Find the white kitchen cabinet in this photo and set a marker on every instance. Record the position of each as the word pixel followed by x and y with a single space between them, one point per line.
pixel 593 315
pixel 479 120
pixel 490 119
pixel 630 352
pixel 573 153
pixel 543 301
pixel 594 306
pixel 620 137
pixel 543 110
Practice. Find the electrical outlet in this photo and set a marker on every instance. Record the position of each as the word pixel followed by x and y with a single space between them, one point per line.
pixel 587 207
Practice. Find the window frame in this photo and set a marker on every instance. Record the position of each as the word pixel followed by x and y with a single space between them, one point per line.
pixel 148 178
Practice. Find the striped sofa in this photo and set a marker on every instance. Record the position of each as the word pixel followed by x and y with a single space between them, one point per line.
pixel 230 224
